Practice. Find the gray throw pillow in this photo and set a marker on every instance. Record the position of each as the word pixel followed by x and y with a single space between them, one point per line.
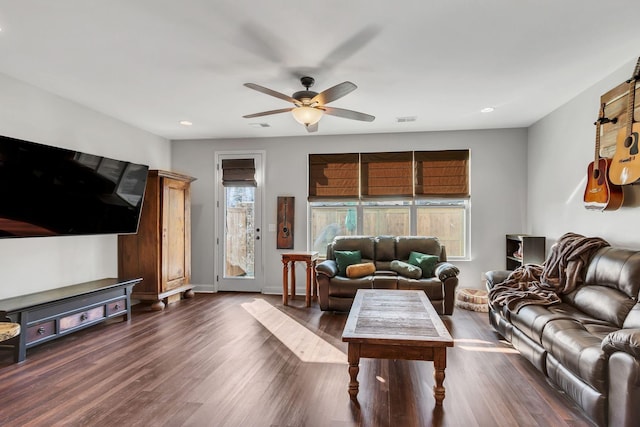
pixel 405 269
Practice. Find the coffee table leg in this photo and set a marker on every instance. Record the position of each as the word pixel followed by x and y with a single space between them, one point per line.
pixel 439 364
pixel 354 367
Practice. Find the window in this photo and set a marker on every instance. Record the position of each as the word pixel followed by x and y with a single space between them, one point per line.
pixel 386 217
pixel 446 219
pixel 239 182
pixel 408 193
pixel 329 220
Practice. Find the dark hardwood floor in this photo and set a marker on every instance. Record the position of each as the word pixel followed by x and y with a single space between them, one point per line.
pixel 245 360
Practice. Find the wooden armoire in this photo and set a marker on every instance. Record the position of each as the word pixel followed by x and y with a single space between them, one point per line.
pixel 160 253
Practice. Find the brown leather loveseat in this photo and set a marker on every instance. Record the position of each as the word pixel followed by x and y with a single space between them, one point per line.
pixel 588 345
pixel 336 292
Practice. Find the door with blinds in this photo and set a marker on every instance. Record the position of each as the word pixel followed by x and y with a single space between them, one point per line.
pixel 238 244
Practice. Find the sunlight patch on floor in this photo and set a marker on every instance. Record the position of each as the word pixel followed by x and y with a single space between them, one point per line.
pixel 306 345
pixel 489 349
pixel 483 346
pixel 472 340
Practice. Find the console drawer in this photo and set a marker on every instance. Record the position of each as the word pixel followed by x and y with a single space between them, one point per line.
pixel 114 307
pixel 41 331
pixel 78 319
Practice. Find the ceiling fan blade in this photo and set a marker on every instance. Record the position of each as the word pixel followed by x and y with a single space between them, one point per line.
pixel 312 128
pixel 349 47
pixel 272 92
pixel 348 114
pixel 333 93
pixel 266 113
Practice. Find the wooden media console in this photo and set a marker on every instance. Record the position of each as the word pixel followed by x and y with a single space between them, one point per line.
pixel 47 315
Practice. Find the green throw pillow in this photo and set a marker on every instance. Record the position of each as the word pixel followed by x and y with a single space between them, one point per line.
pixel 346 258
pixel 405 269
pixel 426 262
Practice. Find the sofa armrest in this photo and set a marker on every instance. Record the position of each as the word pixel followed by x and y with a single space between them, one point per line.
pixel 624 390
pixel 445 270
pixel 325 271
pixel 328 268
pixel 626 340
pixel 448 275
pixel 496 276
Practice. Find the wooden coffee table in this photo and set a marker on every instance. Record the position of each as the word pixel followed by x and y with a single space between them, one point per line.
pixel 396 324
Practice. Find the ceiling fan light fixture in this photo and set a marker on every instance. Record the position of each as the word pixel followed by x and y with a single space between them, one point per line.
pixel 307 115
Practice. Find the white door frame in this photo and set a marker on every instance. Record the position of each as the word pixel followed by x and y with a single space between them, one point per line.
pixel 258 282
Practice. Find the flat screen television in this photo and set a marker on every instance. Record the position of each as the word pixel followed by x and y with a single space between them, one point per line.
pixel 51 191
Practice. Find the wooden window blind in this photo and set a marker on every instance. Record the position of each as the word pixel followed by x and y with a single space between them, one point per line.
pixel 442 173
pixel 333 176
pixel 386 174
pixel 239 173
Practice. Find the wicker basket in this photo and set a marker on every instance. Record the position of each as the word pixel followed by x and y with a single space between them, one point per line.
pixel 472 299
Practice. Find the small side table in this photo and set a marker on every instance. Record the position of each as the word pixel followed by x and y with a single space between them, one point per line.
pixel 290 258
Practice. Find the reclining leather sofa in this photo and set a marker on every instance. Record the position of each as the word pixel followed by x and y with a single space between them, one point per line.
pixel 589 344
pixel 336 292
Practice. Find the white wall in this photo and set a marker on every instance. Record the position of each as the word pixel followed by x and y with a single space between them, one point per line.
pixel 498 188
pixel 561 145
pixel 32 264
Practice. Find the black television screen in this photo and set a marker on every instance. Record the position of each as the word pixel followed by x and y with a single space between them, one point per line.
pixel 51 191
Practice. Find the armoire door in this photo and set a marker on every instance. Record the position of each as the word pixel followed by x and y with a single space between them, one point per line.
pixel 176 237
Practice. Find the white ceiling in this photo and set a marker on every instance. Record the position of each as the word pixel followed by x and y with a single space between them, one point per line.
pixel 153 63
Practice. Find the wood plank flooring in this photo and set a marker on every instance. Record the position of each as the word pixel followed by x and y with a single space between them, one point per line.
pixel 238 359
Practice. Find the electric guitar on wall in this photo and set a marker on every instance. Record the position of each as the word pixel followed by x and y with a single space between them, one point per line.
pixel 599 194
pixel 625 164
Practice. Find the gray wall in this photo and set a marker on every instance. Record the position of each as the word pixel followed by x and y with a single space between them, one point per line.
pixel 561 145
pixel 523 180
pixel 32 264
pixel 498 188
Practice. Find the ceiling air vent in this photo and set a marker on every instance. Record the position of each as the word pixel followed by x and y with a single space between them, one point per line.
pixel 260 125
pixel 406 119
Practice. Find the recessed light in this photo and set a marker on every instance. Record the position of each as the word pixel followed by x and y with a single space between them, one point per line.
pixel 487 110
pixel 185 123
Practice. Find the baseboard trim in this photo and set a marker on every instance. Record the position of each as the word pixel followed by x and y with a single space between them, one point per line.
pixel 269 290
pixel 204 289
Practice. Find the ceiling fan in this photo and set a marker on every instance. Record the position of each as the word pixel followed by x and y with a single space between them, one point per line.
pixel 310 106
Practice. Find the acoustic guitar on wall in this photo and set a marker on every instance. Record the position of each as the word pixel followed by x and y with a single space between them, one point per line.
pixel 284 238
pixel 625 164
pixel 286 225
pixel 599 194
